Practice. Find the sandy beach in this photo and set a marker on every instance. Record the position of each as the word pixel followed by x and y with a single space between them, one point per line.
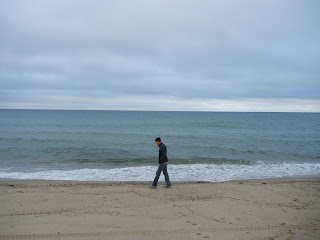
pixel 251 209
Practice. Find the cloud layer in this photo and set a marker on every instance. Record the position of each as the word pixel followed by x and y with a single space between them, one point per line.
pixel 193 51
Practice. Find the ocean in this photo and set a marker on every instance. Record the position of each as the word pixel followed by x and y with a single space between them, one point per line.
pixel 119 145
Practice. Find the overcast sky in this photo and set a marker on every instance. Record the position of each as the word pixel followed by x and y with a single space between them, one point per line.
pixel 215 55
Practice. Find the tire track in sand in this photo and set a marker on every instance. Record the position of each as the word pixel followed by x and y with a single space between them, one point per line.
pixel 144 232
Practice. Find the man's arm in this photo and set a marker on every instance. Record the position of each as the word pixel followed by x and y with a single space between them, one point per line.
pixel 163 154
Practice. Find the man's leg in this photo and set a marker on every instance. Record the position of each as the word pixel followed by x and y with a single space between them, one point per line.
pixel 166 175
pixel 155 181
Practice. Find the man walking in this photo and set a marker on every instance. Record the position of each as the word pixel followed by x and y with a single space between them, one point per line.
pixel 163 162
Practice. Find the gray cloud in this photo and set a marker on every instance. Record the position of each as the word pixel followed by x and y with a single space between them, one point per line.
pixel 175 49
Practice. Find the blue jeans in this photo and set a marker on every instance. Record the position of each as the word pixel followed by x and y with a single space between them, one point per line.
pixel 162 168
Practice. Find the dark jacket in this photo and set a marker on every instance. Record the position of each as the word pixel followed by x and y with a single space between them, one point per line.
pixel 162 154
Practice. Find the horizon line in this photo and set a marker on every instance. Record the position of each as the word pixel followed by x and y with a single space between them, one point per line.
pixel 142 110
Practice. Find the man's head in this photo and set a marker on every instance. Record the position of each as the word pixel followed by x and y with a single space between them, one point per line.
pixel 158 141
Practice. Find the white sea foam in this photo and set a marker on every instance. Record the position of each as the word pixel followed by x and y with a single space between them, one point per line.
pixel 185 172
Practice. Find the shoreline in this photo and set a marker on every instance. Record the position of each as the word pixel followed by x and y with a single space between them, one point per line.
pixel 278 208
pixel 162 180
pixel 182 172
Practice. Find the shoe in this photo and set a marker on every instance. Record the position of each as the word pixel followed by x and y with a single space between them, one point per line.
pixel 152 187
pixel 167 186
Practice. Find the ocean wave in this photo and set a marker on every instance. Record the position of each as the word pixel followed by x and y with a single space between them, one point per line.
pixel 183 172
pixel 143 161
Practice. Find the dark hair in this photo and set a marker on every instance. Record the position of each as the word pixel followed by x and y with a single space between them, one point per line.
pixel 158 139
